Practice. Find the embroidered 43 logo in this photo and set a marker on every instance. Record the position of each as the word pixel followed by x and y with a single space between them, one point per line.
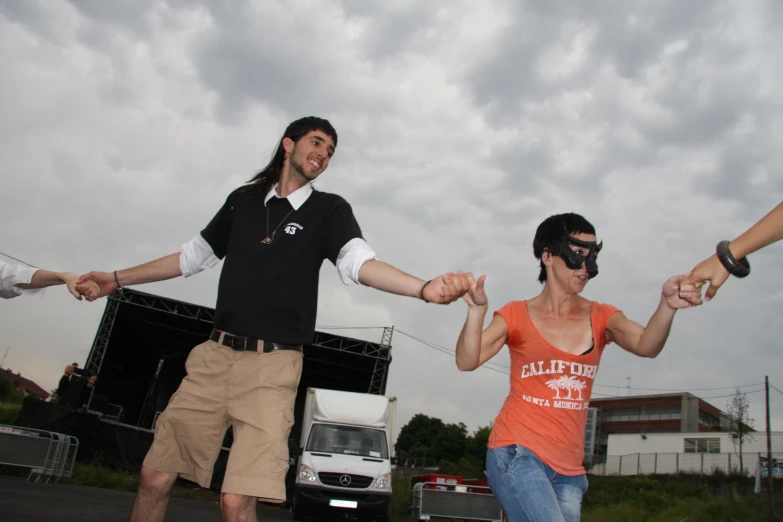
pixel 292 227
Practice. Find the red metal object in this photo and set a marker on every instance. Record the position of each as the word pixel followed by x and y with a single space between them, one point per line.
pixel 446 480
pixel 478 483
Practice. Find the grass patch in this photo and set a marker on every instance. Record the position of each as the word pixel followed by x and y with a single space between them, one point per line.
pixel 645 493
pixel 713 510
pixel 400 501
pixel 645 499
pixel 625 512
pixel 99 476
pixel 9 411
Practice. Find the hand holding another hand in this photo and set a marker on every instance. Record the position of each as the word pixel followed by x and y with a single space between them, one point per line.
pixel 95 285
pixel 711 271
pixel 680 293
pixel 447 288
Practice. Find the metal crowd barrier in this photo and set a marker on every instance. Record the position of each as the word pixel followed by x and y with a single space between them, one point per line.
pixel 435 499
pixel 48 455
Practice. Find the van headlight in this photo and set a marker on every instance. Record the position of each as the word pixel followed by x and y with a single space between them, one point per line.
pixel 382 482
pixel 306 474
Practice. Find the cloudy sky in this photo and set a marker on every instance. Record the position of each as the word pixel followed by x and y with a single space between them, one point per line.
pixel 462 124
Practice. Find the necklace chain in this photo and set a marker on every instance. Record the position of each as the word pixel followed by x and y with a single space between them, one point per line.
pixel 268 239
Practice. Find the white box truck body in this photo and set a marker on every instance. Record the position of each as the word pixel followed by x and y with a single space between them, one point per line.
pixel 345 453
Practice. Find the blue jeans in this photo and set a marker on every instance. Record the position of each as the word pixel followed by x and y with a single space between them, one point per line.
pixel 530 491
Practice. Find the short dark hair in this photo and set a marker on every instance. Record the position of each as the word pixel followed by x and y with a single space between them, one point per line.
pixel 550 232
pixel 296 130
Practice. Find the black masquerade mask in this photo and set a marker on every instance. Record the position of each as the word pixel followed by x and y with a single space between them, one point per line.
pixel 574 260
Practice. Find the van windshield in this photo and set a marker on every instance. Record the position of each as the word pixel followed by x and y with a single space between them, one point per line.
pixel 348 440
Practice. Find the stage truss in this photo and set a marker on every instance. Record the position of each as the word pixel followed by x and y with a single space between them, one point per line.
pixel 381 353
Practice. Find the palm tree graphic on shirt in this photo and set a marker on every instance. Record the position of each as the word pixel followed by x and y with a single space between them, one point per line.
pixel 579 386
pixel 554 384
pixel 566 383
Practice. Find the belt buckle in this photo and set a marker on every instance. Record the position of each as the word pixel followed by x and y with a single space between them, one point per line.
pixel 233 342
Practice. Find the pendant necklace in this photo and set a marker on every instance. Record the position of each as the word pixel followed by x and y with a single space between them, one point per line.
pixel 268 239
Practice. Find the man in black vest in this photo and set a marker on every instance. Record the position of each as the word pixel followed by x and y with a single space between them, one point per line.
pixel 274 235
pixel 65 380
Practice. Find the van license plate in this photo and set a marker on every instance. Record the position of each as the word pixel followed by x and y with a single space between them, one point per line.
pixel 343 503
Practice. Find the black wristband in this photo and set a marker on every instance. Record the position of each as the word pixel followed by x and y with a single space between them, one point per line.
pixel 738 268
pixel 116 280
pixel 421 292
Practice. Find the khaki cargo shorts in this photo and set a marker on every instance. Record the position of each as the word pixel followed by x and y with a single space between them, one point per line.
pixel 252 391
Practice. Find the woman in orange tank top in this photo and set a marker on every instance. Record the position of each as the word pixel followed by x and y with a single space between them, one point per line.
pixel 556 339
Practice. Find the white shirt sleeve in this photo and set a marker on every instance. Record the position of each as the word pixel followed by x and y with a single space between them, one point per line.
pixel 351 258
pixel 196 256
pixel 12 275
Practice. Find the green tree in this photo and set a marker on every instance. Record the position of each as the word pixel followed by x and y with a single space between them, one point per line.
pixel 470 468
pixel 417 454
pixel 450 443
pixel 421 430
pixel 447 467
pixel 741 424
pixel 10 393
pixel 477 444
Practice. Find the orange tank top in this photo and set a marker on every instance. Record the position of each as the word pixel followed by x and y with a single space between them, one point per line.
pixel 546 408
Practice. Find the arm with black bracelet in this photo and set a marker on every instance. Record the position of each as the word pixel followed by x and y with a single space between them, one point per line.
pixel 731 256
pixel 443 289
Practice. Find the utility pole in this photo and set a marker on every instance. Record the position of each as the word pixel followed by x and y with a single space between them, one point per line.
pixel 4 356
pixel 770 481
pixel 629 386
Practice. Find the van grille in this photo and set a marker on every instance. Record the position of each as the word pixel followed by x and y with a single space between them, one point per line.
pixel 333 479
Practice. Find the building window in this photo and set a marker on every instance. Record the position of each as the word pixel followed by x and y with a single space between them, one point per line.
pixel 708 419
pixel 703 445
pixel 650 413
pixel 590 431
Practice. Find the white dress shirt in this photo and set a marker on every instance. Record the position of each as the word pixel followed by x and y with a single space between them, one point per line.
pixel 197 255
pixel 12 275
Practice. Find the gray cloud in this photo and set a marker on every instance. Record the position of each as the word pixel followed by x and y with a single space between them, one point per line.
pixel 394 28
pixel 133 16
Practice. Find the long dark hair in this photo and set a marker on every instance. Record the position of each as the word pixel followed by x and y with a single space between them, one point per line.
pixel 550 232
pixel 269 175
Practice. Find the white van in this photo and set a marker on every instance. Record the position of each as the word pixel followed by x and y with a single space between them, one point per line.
pixel 345 453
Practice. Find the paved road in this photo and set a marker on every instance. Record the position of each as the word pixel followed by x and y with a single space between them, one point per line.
pixel 22 501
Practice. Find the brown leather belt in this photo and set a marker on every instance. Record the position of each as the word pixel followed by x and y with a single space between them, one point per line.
pixel 250 344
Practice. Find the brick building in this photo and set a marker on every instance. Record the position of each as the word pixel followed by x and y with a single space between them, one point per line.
pixel 663 413
pixel 23 383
